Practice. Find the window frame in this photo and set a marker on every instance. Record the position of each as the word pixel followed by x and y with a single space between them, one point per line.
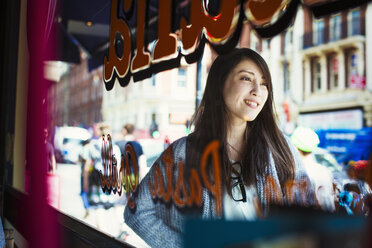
pixel 316 75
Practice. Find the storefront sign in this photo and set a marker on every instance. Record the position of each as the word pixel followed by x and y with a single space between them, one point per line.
pixel 222 32
pixel 345 119
pixel 113 180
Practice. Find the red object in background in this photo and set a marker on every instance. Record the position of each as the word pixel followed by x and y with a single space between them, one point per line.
pixel 286 111
pixel 335 65
pixel 360 165
pixel 357 82
pixel 142 134
pixel 358 169
pixel 166 140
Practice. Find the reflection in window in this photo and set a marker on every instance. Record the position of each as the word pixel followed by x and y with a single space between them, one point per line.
pixel 335 30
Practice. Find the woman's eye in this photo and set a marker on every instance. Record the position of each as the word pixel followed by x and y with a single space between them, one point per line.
pixel 265 84
pixel 246 79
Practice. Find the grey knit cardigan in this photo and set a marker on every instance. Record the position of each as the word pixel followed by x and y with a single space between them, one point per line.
pixel 160 224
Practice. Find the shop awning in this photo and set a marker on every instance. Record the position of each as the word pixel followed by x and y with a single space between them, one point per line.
pixel 86 23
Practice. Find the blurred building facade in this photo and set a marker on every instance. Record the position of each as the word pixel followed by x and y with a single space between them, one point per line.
pixel 76 98
pixel 318 66
pixel 336 91
pixel 167 99
pixel 319 69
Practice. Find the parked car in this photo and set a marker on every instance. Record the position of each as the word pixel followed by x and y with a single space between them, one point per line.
pixel 68 143
pixel 325 158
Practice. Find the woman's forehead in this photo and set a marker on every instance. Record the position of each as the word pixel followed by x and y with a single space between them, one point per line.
pixel 248 66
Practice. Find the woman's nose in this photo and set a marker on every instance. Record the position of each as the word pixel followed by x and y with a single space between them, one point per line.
pixel 256 90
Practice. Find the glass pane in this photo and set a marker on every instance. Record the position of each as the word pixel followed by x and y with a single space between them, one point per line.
pixel 98 143
pixel 355 19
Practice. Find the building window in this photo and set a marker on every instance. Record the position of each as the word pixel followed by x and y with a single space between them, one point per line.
pixel 267 44
pixel 352 68
pixel 287 40
pixel 254 42
pixel 287 78
pixel 181 77
pixel 335 30
pixel 289 37
pixel 317 82
pixel 318 32
pixel 354 22
pixel 153 80
pixel 333 71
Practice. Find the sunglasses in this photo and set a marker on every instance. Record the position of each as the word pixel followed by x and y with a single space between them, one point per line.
pixel 237 187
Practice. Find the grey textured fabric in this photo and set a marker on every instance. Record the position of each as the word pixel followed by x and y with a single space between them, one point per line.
pixel 160 224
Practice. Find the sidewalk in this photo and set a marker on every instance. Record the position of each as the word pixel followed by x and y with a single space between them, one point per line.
pixel 109 221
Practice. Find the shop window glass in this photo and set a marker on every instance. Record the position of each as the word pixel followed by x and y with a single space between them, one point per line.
pixel 79 103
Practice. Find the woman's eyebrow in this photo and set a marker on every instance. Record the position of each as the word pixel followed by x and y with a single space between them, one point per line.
pixel 250 72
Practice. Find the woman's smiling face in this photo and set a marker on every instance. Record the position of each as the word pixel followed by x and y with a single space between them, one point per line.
pixel 245 91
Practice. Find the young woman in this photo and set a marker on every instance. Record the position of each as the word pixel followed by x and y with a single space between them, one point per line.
pixel 254 165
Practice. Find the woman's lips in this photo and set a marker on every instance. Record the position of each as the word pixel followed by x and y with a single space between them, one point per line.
pixel 250 103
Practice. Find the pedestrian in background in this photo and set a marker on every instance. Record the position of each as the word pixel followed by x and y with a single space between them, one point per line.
pixel 358 187
pixel 51 158
pixel 306 141
pixel 83 157
pixel 129 138
pixel 256 159
pixel 93 166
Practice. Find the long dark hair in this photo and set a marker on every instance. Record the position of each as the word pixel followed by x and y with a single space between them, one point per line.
pixel 262 136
